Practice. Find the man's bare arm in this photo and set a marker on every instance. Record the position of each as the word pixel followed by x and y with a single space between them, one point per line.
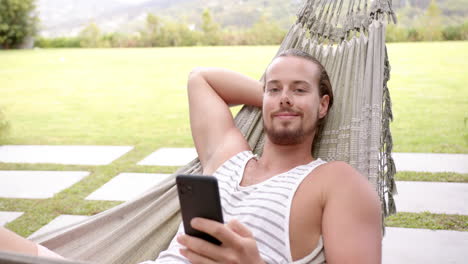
pixel 351 222
pixel 210 92
pixel 12 242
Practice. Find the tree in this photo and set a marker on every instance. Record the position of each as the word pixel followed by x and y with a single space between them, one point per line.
pixel 266 32
pixel 431 23
pixel 156 33
pixel 90 36
pixel 17 22
pixel 211 29
pixel 181 35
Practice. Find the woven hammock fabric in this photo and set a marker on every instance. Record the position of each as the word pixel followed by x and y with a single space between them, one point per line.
pixel 348 37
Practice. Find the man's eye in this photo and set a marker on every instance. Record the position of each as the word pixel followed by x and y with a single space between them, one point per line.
pixel 300 90
pixel 273 89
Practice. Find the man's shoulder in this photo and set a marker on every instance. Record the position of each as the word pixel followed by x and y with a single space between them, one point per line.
pixel 335 177
pixel 333 171
pixel 336 165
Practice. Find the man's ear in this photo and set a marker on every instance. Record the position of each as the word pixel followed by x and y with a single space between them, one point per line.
pixel 323 108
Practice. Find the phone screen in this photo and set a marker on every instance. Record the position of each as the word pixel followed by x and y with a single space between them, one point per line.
pixel 199 197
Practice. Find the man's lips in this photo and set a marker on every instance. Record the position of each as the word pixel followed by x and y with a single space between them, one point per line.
pixel 286 115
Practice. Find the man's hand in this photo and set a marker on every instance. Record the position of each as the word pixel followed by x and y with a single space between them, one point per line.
pixel 238 244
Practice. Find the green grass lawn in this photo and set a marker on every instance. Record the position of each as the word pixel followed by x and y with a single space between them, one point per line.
pixel 430 96
pixel 109 96
pixel 137 97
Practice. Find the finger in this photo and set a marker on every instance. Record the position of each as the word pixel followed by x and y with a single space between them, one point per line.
pixel 215 229
pixel 201 247
pixel 194 258
pixel 239 228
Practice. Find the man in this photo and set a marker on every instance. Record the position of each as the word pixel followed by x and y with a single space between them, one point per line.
pixel 285 206
pixel 334 213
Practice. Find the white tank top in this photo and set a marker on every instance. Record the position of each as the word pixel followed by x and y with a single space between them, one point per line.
pixel 264 208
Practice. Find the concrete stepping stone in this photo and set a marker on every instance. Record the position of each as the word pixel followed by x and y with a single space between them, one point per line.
pixel 37 184
pixel 58 222
pixel 407 245
pixel 71 155
pixel 127 186
pixel 431 162
pixel 6 217
pixel 435 197
pixel 170 157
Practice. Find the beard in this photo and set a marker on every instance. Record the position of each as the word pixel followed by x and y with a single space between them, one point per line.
pixel 288 136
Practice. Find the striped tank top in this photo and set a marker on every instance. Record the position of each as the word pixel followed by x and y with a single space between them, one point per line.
pixel 264 208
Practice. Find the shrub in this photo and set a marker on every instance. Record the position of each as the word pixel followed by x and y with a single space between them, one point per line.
pixel 235 37
pixel 396 33
pixel 61 42
pixel 451 33
pixel 414 35
pixel 266 32
pixel 459 32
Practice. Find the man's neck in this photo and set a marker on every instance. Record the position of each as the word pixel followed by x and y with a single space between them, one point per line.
pixel 280 158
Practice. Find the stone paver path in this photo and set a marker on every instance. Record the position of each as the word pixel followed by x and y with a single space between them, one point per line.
pixel 127 186
pixel 431 162
pixel 59 222
pixel 435 197
pixel 71 155
pixel 170 157
pixel 37 184
pixel 407 245
pixel 6 217
pixel 401 245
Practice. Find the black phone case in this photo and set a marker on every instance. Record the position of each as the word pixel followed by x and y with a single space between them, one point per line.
pixel 199 197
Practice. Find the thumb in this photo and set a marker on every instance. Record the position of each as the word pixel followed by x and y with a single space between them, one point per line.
pixel 239 228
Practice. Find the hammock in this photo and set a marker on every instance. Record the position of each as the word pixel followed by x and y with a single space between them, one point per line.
pixel 348 37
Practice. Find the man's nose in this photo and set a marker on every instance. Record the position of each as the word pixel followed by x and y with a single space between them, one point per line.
pixel 285 99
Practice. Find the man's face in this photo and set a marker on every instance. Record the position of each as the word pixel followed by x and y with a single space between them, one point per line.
pixel 291 102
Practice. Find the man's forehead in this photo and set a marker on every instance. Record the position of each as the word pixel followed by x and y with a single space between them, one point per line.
pixel 292 67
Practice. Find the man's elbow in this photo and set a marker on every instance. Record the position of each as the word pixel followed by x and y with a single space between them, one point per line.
pixel 195 74
pixel 196 79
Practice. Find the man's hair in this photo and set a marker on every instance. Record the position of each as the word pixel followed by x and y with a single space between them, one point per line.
pixel 325 87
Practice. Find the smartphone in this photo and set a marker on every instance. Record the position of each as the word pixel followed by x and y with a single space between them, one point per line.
pixel 199 197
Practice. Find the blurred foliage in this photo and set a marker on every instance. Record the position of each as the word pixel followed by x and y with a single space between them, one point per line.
pixel 456 32
pixel 234 15
pixel 90 37
pixel 418 20
pixel 18 21
pixel 211 29
pixel 159 32
pixel 61 42
pixel 429 24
